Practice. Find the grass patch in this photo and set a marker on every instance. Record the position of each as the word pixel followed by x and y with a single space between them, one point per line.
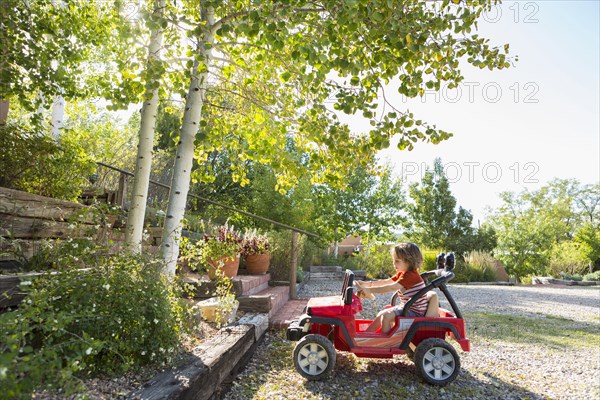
pixel 554 332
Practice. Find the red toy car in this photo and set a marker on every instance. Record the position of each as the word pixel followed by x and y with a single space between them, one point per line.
pixel 329 323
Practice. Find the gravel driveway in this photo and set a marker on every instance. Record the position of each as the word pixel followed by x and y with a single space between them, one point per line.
pixel 534 342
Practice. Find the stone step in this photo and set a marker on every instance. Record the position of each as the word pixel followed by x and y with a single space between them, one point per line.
pixel 325 269
pixel 268 301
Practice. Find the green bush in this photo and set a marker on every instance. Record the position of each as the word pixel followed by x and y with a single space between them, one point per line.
pixel 477 270
pixel 377 262
pixel 568 257
pixel 527 280
pixel 429 259
pixel 354 261
pixel 118 315
pixel 571 277
pixel 594 276
pixel 32 161
pixel 281 253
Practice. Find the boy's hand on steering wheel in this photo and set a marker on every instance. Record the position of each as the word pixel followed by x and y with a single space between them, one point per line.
pixel 366 294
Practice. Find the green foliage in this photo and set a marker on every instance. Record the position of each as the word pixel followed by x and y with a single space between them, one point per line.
pixel 119 314
pixel 567 257
pixel 588 239
pixel 225 297
pixel 477 267
pixel 353 261
pixel 31 161
pixel 429 259
pixel 218 242
pixel 368 198
pixel 483 263
pixel 281 253
pixel 378 262
pixel 280 56
pixel 434 220
pixel 571 277
pixel 48 45
pixel 594 276
pixel 530 224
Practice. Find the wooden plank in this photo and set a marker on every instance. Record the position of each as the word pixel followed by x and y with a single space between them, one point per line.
pixel 17 249
pixel 10 292
pixel 255 303
pixel 204 371
pixel 16 202
pixel 33 228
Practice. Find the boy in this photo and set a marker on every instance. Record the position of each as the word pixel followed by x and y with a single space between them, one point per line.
pixel 407 261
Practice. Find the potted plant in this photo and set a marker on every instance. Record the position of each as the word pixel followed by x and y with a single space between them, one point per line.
pixel 220 250
pixel 256 251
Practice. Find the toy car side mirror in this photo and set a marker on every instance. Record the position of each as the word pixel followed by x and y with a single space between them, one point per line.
pixel 440 260
pixel 450 262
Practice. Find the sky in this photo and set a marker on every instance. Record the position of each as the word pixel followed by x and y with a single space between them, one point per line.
pixel 517 128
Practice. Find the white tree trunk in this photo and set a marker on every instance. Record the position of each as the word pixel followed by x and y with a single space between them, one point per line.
pixel 143 165
pixel 180 182
pixel 58 112
pixel 336 243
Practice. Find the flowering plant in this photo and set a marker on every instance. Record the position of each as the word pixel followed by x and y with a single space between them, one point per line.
pixel 255 243
pixel 217 242
pixel 226 242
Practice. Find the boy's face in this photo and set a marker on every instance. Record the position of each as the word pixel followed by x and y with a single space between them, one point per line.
pixel 400 264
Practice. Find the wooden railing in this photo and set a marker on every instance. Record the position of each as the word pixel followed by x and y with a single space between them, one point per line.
pixel 295 231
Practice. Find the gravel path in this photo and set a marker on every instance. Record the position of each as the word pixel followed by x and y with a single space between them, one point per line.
pixel 536 342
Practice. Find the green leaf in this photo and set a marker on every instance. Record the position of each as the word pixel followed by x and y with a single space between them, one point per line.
pixel 285 76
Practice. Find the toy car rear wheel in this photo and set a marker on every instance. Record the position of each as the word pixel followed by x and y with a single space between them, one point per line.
pixel 437 361
pixel 314 357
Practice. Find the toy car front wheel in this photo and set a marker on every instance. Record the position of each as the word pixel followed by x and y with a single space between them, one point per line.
pixel 314 357
pixel 437 361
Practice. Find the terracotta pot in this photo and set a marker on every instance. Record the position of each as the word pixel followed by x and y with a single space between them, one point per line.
pixel 257 263
pixel 229 267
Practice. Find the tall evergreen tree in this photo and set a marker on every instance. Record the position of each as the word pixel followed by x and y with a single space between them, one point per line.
pixel 434 220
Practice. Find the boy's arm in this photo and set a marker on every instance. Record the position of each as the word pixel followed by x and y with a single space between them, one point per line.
pixel 382 286
pixel 377 283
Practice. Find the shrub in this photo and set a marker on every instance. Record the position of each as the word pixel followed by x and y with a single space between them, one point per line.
pixel 477 268
pixel 568 257
pixel 118 315
pixel 594 276
pixel 354 261
pixel 571 277
pixel 281 254
pixel 31 161
pixel 480 267
pixel 429 259
pixel 527 280
pixel 377 262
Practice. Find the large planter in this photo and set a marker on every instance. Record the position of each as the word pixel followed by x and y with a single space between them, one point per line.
pixel 257 264
pixel 229 267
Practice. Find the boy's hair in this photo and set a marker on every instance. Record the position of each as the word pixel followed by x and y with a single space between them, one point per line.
pixel 410 253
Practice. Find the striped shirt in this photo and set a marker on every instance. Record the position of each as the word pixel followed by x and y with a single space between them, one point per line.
pixel 412 282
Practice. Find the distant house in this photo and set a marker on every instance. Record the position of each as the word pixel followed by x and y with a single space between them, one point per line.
pixel 352 244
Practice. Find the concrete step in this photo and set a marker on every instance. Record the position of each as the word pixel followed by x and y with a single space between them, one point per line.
pixel 268 301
